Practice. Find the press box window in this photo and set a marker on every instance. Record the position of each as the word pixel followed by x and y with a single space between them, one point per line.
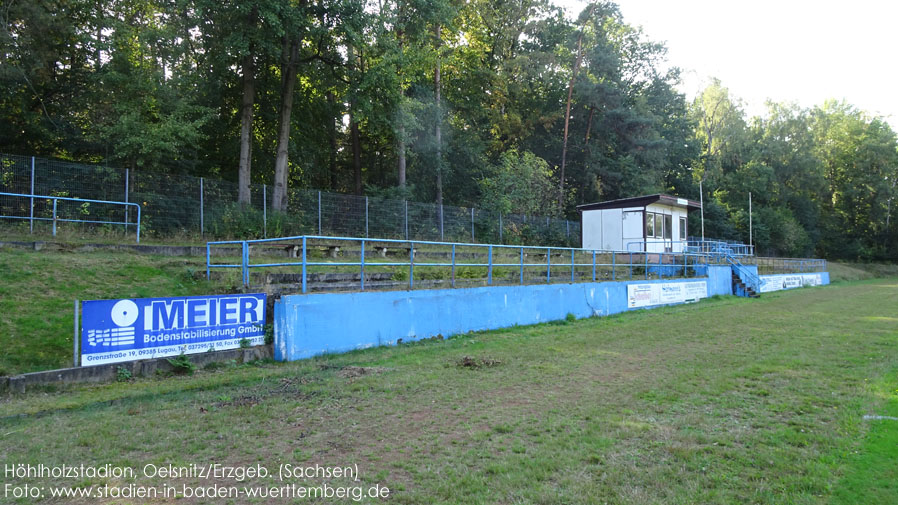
pixel 682 228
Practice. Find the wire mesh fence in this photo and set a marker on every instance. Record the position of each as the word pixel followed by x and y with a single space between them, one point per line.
pixel 183 205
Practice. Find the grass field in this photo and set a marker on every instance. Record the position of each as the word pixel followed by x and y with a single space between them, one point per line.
pixel 726 401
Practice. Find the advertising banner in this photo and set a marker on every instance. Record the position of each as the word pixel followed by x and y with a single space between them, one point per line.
pixel 113 331
pixel 663 293
pixel 790 281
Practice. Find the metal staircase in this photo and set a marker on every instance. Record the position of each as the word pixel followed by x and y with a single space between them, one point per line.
pixel 745 282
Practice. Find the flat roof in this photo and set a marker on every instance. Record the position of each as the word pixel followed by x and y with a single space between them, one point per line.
pixel 642 201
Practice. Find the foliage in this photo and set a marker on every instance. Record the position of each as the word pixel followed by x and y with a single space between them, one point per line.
pixel 181 365
pixel 159 85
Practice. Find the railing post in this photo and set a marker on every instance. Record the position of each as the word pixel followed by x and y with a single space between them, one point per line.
pixel 265 210
pixel 208 259
pixel 305 287
pixel 522 266
pixel 54 216
pixel 453 265
pixel 244 263
pixel 362 262
pixel 593 266
pixel 631 266
pixel 489 272
pixel 645 259
pixel 411 265
pixel 202 216
pixel 31 220
pixel 138 223
pixel 319 213
pixel 613 266
pixel 548 265
pixel 572 266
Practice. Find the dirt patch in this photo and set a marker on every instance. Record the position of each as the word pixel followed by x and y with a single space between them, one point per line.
pixel 351 372
pixel 472 362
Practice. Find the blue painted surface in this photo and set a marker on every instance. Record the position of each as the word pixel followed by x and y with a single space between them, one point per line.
pixel 309 325
pixel 720 280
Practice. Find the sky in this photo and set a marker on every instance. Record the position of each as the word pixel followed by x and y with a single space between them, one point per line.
pixel 786 51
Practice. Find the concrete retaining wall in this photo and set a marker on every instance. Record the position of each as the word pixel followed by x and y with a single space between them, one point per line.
pixel 309 325
pixel 108 373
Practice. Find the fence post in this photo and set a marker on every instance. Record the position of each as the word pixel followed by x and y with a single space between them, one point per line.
pixel 500 229
pixel 202 217
pixel 31 220
pixel 265 210
pixel 75 338
pixel 319 213
pixel 54 216
pixel 366 217
pixel 127 207
pixel 406 219
pixel 472 224
pixel 568 225
pixel 245 264
pixel 441 222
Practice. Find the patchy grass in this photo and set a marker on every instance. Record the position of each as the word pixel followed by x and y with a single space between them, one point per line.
pixel 843 271
pixel 37 293
pixel 725 401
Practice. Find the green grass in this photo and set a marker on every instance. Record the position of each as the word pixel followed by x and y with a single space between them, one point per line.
pixel 726 401
pixel 37 293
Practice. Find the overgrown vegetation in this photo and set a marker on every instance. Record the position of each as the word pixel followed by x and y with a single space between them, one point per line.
pixel 462 103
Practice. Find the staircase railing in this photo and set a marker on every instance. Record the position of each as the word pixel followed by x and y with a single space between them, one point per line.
pixel 746 275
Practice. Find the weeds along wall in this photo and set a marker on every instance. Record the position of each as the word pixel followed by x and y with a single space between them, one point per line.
pixel 309 325
pixel 178 205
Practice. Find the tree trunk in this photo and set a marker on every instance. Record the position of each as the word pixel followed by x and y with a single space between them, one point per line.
pixel 332 158
pixel 246 129
pixel 356 154
pixel 281 165
pixel 438 132
pixel 567 120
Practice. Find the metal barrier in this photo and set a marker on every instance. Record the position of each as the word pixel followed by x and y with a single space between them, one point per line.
pixel 770 266
pixel 746 275
pixel 55 218
pixel 655 264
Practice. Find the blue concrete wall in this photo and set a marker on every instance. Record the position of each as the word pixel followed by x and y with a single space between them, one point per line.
pixel 309 325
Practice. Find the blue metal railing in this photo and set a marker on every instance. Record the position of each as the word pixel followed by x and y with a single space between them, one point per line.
pixel 659 264
pixel 746 275
pixel 55 218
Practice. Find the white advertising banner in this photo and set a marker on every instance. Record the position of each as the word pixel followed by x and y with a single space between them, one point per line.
pixel 789 281
pixel 663 293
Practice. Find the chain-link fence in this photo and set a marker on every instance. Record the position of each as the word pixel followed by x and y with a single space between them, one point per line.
pixel 184 205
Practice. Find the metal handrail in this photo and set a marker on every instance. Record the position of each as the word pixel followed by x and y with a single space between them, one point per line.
pixel 664 260
pixel 56 219
pixel 754 280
